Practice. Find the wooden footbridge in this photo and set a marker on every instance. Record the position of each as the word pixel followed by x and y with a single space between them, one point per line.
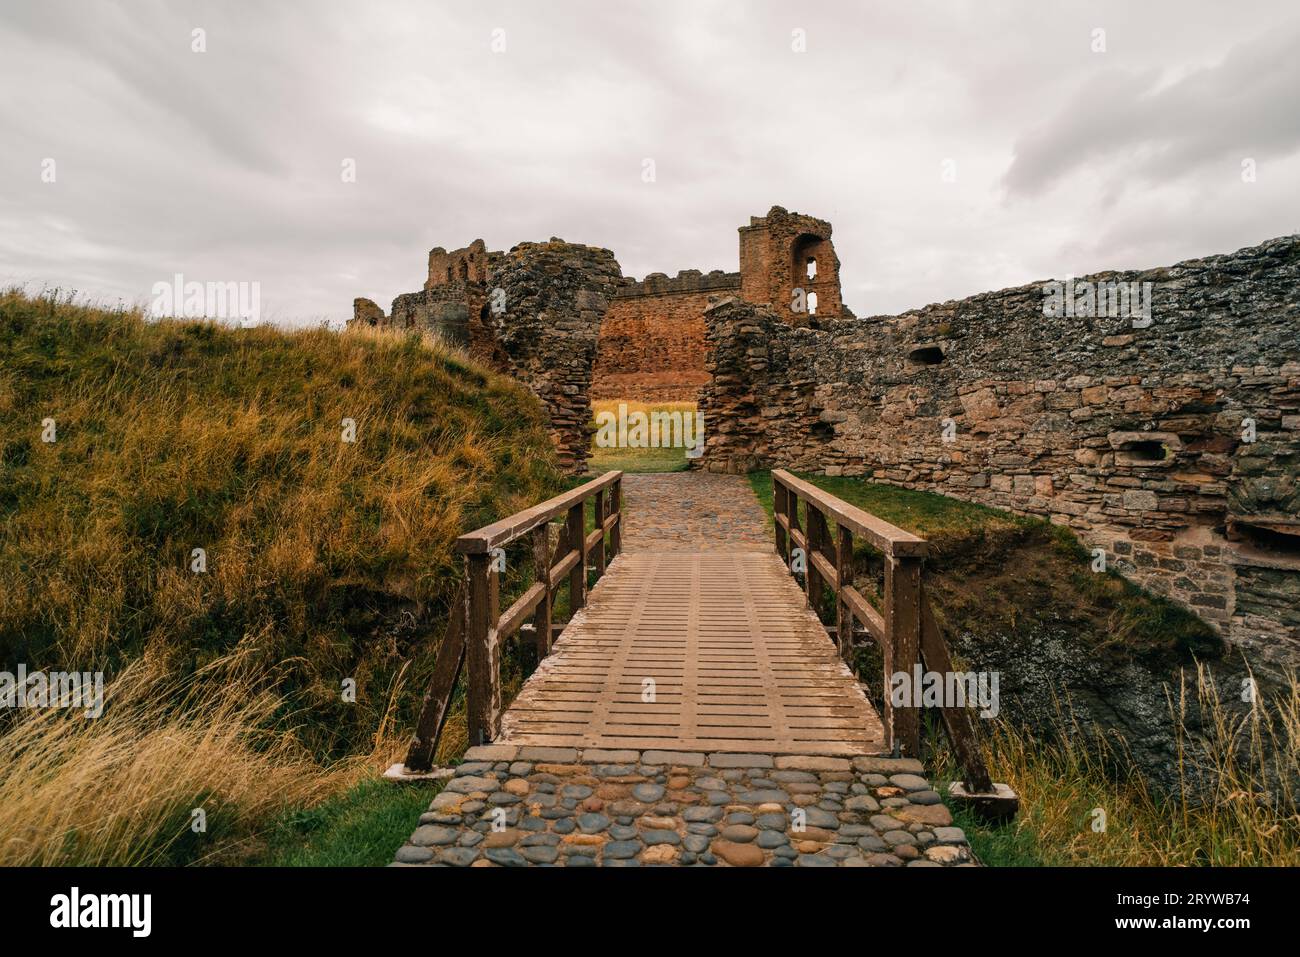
pixel 717 649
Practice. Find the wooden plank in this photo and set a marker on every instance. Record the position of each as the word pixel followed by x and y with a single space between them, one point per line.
pixel 436 704
pixel 518 613
pixel 508 529
pixel 890 539
pixel 956 721
pixel 864 612
pixel 780 505
pixel 482 652
pixel 563 567
pixel 597 538
pixel 595 548
pixel 815 580
pixel 797 538
pixel 738 664
pixel 903 631
pixel 843 579
pixel 616 508
pixel 542 572
pixel 825 569
pixel 578 575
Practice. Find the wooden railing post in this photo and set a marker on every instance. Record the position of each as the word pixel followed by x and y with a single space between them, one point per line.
pixel 792 510
pixel 599 508
pixel 542 573
pixel 814 584
pixel 578 576
pixel 482 650
pixel 780 506
pixel 843 614
pixel 616 508
pixel 903 625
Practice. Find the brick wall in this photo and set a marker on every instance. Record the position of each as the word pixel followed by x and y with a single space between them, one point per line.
pixel 651 345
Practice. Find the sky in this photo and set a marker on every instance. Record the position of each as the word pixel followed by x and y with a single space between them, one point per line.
pixel 955 147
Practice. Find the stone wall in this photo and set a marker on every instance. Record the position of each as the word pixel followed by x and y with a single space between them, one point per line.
pixel 651 344
pixel 554 297
pixel 1130 435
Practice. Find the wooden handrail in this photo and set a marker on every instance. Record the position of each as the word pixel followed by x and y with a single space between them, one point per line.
pixel 889 539
pixel 509 529
pixel 906 630
pixel 478 629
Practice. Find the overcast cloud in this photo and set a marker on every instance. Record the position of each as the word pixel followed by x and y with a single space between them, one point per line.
pixel 225 165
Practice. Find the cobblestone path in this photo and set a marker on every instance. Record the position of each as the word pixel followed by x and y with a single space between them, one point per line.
pixel 692 511
pixel 514 807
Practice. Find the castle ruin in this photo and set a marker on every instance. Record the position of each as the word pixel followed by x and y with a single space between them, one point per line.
pixel 1170 442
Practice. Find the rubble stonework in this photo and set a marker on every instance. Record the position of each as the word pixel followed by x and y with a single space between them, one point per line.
pixel 1131 436
pixel 554 297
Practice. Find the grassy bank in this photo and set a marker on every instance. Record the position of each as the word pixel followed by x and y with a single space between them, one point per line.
pixel 669 456
pixel 279 665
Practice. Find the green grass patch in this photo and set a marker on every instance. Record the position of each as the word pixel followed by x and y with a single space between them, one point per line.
pixel 360 828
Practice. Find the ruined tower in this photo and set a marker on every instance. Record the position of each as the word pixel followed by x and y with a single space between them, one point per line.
pixel 783 252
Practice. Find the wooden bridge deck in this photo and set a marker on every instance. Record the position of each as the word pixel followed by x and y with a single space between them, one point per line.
pixel 696 651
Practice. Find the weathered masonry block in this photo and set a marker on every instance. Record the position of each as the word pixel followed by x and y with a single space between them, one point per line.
pixel 1174 445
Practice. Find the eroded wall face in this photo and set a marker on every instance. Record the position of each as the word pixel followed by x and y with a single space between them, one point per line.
pixel 1136 436
pixel 651 346
pixel 554 296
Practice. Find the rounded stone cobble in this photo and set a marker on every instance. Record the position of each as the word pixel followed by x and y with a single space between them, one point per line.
pixel 685 810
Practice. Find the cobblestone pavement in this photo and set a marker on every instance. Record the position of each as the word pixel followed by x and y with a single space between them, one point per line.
pixel 517 806
pixel 696 511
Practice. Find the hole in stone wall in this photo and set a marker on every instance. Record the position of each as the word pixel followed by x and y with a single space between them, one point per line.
pixel 926 355
pixel 1277 539
pixel 812 268
pixel 812 303
pixel 1143 451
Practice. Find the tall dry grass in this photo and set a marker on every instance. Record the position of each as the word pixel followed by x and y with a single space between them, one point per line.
pixel 327 560
pixel 1084 803
pixel 123 789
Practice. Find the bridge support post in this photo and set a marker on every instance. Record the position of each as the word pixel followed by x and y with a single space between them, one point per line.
pixel 578 577
pixel 482 650
pixel 542 572
pixel 903 628
pixel 781 506
pixel 616 508
pixel 843 614
pixel 817 545
pixel 599 508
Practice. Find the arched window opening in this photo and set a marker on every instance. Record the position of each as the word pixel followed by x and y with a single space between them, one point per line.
pixel 811 268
